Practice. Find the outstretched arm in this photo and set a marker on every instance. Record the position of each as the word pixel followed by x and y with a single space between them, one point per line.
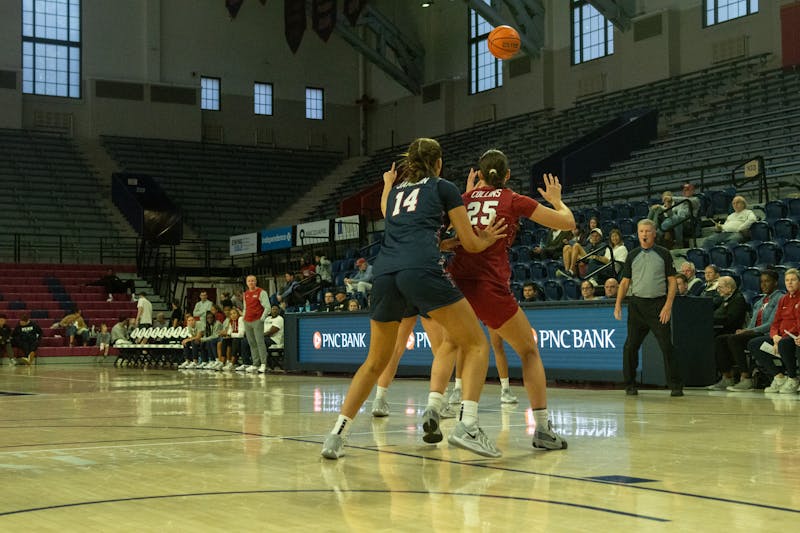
pixel 560 216
pixel 388 181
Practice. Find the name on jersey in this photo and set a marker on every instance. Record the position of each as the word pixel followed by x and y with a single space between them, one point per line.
pixel 409 184
pixel 495 193
pixel 576 338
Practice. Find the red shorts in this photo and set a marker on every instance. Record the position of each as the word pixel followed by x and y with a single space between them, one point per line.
pixel 493 302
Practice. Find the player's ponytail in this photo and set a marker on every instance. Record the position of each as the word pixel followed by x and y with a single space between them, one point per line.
pixel 420 160
pixel 494 167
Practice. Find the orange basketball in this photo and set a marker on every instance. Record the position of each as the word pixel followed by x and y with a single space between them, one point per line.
pixel 504 42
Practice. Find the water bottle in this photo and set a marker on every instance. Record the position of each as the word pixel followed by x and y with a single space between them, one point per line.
pixel 308 306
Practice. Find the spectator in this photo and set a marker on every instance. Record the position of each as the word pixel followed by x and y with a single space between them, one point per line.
pixel 191 344
pixel 552 246
pixel 230 346
pixel 308 268
pixel 732 309
pixel 225 299
pixel 202 306
pixel 329 304
pixel 104 339
pixel 694 286
pixel 324 269
pixel 593 251
pixel 273 331
pixel 353 305
pixel 712 280
pixel 144 311
pixel 618 251
pixel 732 231
pixel 587 290
pixel 113 284
pixel 341 300
pixel 219 315
pixel 659 212
pixel 729 349
pixel 208 343
pixel 176 318
pixel 75 327
pixel 610 287
pixel 5 339
pixel 531 293
pixel 292 282
pixel 684 215
pixel 362 279
pixel 26 337
pixel 682 285
pixel 161 321
pixel 785 325
pixel 238 299
pixel 119 333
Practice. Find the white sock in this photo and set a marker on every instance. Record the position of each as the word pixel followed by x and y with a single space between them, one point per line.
pixel 540 418
pixel 380 392
pixel 469 412
pixel 435 401
pixel 342 426
pixel 504 383
pixel 458 383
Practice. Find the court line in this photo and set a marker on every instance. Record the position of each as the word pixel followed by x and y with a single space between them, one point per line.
pixel 331 491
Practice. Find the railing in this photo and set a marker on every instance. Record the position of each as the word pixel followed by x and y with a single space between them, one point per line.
pixel 29 248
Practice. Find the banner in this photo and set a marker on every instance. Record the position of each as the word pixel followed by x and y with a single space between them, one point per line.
pixel 313 233
pixel 323 17
pixel 246 243
pixel 276 238
pixel 345 228
pixel 352 10
pixel 294 22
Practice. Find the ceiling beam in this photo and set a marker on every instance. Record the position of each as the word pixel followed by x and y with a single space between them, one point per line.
pixel 619 12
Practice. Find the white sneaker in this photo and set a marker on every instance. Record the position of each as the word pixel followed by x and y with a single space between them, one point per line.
pixel 507 397
pixel 250 369
pixel 241 368
pixel 790 387
pixel 262 369
pixel 184 364
pixel 455 396
pixel 228 367
pixel 110 298
pixel 191 365
pixel 777 383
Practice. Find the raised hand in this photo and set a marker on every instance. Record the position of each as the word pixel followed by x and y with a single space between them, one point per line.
pixel 552 189
pixel 471 179
pixel 390 176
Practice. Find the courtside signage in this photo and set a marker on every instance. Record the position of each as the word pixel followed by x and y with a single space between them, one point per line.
pixel 345 228
pixel 246 243
pixel 276 238
pixel 313 232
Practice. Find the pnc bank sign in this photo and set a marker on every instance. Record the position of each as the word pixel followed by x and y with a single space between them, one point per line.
pixel 321 340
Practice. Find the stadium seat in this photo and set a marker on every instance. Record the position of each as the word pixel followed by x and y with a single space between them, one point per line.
pixel 626 226
pixel 720 256
pixel 538 270
pixel 520 271
pixel 751 279
pixel 784 229
pixel 760 231
pixel 744 255
pixel 516 289
pixel 553 290
pixel 791 253
pixel 774 210
pixel 572 289
pixel 769 253
pixel 794 209
pixel 698 257
pixel 721 202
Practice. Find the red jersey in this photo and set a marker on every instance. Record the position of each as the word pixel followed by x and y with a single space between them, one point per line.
pixel 252 305
pixel 492 263
pixel 787 316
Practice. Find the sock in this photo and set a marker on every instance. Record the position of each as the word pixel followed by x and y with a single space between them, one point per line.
pixel 342 426
pixel 504 383
pixel 458 383
pixel 540 418
pixel 469 412
pixel 435 401
pixel 381 392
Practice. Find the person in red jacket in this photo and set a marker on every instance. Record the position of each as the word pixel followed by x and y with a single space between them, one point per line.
pixel 785 336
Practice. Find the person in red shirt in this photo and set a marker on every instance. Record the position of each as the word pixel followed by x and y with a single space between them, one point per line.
pixel 256 309
pixel 785 335
pixel 484 277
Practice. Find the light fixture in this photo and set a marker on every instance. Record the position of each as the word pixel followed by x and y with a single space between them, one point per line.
pixel 426 4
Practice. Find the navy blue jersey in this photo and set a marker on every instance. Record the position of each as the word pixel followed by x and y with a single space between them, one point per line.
pixel 414 215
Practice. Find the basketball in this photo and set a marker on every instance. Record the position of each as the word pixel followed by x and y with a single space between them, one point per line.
pixel 503 42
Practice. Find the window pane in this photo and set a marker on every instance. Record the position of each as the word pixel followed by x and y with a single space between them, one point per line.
pixel 592 33
pixel 723 10
pixel 485 70
pixel 262 98
pixel 209 93
pixel 51 67
pixel 314 102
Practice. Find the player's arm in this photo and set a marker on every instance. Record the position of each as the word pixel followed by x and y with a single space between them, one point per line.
pixel 388 180
pixel 560 216
pixel 471 241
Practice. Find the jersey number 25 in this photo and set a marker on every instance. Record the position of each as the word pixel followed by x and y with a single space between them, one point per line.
pixel 487 210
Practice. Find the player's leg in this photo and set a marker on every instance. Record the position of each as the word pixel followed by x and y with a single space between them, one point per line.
pixel 501 363
pixel 444 353
pixel 380 407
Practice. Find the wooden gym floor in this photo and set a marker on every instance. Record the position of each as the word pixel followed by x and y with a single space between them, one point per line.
pixel 90 448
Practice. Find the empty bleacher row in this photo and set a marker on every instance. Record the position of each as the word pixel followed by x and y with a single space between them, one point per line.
pixel 224 190
pixel 46 293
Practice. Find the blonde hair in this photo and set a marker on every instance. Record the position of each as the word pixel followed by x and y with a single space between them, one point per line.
pixel 420 159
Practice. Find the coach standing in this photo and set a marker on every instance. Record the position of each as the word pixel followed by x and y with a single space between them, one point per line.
pixel 256 308
pixel 650 275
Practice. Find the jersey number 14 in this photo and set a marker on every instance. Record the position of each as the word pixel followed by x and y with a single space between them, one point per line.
pixel 409 204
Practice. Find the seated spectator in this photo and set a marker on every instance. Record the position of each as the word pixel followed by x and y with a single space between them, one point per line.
pixel 551 247
pixel 587 290
pixel 353 305
pixel 694 286
pixel 610 287
pixel 119 333
pixel 191 344
pixel 729 349
pixel 219 315
pixel 324 269
pixel 362 279
pixel 229 348
pixel 684 216
pixel 308 268
pixel 659 212
pixel 273 330
pixel 712 280
pixel 104 339
pixel 731 310
pixel 329 304
pixel 25 338
pixel 682 285
pixel 113 284
pixel 74 326
pixel 225 299
pixel 5 339
pixel 161 321
pixel 292 281
pixel 735 226
pixel 208 343
pixel 238 299
pixel 786 322
pixel 340 298
pixel 618 251
pixel 531 293
pixel 594 250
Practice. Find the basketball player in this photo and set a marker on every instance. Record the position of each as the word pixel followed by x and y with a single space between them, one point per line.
pixel 484 277
pixel 408 274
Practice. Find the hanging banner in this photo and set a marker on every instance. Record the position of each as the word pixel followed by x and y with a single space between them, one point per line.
pixel 352 10
pixel 346 228
pixel 294 22
pixel 316 232
pixel 246 243
pixel 233 7
pixel 323 17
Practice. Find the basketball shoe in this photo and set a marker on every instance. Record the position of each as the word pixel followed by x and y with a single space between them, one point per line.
pixel 473 438
pixel 547 439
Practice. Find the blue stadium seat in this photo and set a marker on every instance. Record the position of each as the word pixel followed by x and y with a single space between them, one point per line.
pixel 553 290
pixel 538 270
pixel 607 213
pixel 626 226
pixel 751 279
pixel 774 210
pixel 572 289
pixel 720 256
pixel 784 229
pixel 750 297
pixel 640 208
pixel 516 289
pixel 552 265
pixel 520 271
pixel 744 255
pixel 721 202
pixel 760 231
pixel 769 253
pixel 791 253
pixel 698 257
pixel 624 210
pixel 526 238
pixel 513 257
pixel 523 252
pixel 794 209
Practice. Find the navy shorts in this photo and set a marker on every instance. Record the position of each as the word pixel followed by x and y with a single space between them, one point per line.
pixel 411 292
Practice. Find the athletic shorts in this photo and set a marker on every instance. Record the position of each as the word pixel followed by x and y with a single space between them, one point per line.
pixel 493 302
pixel 411 292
